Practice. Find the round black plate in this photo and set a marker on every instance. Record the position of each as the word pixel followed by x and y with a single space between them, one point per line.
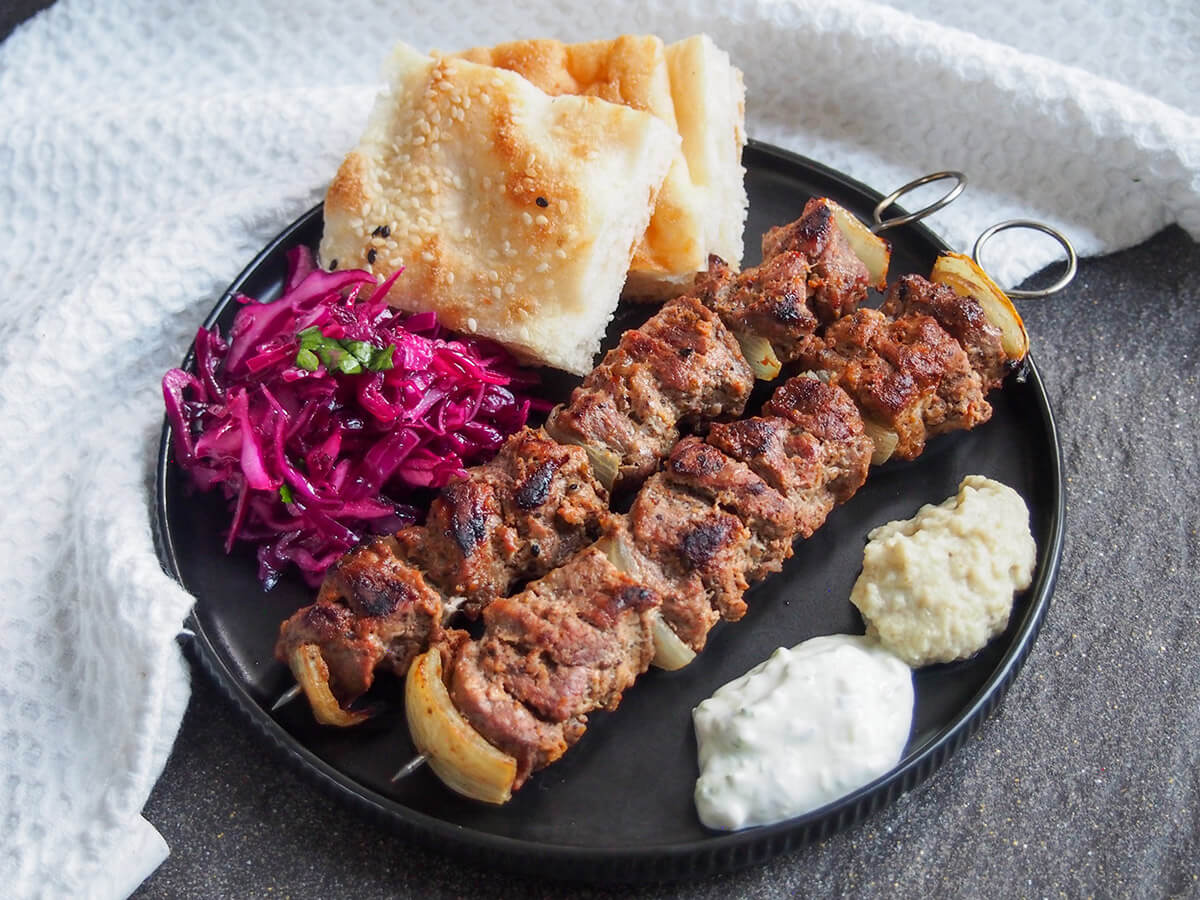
pixel 619 806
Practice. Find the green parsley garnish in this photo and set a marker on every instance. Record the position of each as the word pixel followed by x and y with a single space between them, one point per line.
pixel 345 356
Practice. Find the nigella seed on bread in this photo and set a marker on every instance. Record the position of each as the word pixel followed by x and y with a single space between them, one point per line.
pixel 691 86
pixel 514 214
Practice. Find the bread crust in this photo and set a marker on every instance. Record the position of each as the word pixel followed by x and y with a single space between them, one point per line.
pixel 692 87
pixel 514 214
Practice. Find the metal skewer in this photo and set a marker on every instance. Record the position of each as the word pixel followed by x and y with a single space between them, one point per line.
pixel 287 697
pixel 411 766
pixel 1072 257
pixel 881 224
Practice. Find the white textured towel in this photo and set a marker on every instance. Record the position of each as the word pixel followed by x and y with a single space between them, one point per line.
pixel 148 150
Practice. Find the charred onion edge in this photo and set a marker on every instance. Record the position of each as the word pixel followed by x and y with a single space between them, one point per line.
pixel 312 674
pixel 965 278
pixel 457 753
pixel 874 251
pixel 760 355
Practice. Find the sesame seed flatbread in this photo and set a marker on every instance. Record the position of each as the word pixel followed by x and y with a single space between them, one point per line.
pixel 514 214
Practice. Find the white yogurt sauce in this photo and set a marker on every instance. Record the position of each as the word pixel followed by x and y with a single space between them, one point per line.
pixel 805 727
pixel 939 586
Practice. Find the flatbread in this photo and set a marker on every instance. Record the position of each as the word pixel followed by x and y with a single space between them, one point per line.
pixel 693 88
pixel 514 214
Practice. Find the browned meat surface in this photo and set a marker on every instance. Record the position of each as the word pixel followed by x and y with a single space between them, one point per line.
pixel 372 610
pixel 769 300
pixel 837 278
pixel 569 644
pixel 808 276
pixel 825 420
pixel 905 373
pixel 693 553
pixel 962 317
pixel 694 359
pixel 350 651
pixel 501 719
pixel 734 487
pixel 811 449
pixel 514 518
pixel 787 461
pixel 681 365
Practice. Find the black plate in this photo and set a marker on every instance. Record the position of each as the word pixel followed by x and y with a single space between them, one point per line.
pixel 619 806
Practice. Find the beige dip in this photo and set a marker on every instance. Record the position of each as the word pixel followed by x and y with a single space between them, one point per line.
pixel 939 586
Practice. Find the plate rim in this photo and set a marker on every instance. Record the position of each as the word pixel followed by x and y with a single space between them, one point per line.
pixel 719 852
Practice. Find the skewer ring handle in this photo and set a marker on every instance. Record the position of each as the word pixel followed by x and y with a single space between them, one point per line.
pixel 960 184
pixel 1072 258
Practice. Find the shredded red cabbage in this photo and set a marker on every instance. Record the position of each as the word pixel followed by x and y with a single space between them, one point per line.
pixel 324 412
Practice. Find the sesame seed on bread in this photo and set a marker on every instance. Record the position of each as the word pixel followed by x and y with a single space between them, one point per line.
pixel 514 214
pixel 690 85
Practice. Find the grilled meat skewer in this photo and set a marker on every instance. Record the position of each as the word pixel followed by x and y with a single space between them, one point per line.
pixel 526 686
pixel 574 641
pixel 683 366
pixel 485 534
pixel 518 516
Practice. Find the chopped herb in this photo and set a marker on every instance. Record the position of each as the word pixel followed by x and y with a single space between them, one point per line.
pixel 285 493
pixel 307 360
pixel 345 356
pixel 360 349
pixel 337 359
pixel 381 360
pixel 311 338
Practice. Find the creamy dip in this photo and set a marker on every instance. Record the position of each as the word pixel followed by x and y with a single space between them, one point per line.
pixel 805 727
pixel 939 586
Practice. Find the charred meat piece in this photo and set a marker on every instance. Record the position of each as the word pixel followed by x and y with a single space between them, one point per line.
pixel 962 317
pixel 809 445
pixel 693 554
pixel 373 610
pixel 569 644
pixel 837 279
pixel 769 300
pixel 824 419
pixel 514 518
pixel 682 365
pixel 808 276
pixel 734 487
pixel 907 374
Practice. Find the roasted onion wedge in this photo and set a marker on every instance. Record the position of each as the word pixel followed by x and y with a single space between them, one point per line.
pixel 606 465
pixel 312 674
pixel 884 439
pixel 456 752
pixel 965 278
pixel 760 355
pixel 874 251
pixel 670 652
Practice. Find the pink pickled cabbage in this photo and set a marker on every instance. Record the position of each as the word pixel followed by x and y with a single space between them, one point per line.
pixel 312 462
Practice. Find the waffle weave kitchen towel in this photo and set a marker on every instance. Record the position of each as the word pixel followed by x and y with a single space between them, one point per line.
pixel 149 149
